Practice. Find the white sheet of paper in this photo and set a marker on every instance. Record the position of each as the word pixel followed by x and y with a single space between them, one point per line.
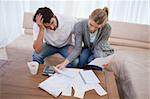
pixel 78 86
pixel 67 90
pixel 78 82
pixel 79 94
pixel 63 72
pixel 52 86
pixel 101 61
pixel 58 83
pixel 89 87
pixel 89 77
pixel 100 91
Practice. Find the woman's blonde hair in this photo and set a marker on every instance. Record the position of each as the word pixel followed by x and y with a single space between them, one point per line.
pixel 100 16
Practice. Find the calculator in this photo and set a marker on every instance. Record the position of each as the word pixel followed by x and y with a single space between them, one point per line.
pixel 48 70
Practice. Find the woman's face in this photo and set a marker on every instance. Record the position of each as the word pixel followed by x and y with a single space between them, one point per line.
pixel 93 26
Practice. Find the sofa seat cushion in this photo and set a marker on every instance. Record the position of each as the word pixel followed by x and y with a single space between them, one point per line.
pixel 130 31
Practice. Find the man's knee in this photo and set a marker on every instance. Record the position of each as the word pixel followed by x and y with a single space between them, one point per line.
pixel 38 58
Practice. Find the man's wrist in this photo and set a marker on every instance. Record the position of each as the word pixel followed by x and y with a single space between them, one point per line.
pixel 41 28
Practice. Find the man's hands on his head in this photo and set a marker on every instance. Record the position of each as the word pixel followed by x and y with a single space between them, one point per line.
pixel 39 21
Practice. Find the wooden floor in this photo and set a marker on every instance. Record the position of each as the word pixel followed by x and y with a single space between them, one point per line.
pixel 16 82
pixel 20 85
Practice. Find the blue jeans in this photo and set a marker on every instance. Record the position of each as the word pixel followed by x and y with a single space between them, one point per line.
pixel 48 50
pixel 85 57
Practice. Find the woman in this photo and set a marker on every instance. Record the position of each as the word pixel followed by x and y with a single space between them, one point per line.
pixel 94 33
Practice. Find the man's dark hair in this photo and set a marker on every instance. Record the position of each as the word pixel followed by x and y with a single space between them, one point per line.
pixel 46 13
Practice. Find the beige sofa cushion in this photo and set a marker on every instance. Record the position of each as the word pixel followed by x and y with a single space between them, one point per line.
pixel 130 31
pixel 129 43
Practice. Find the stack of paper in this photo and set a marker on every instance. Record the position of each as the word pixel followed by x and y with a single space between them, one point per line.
pixel 58 83
pixel 85 81
pixel 80 80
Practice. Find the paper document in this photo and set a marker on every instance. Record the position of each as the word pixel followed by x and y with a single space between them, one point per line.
pixel 58 83
pixel 89 77
pixel 62 72
pixel 100 91
pixel 67 90
pixel 78 86
pixel 79 94
pixel 101 61
pixel 52 86
pixel 80 80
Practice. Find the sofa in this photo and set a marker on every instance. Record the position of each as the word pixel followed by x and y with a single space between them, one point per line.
pixel 131 62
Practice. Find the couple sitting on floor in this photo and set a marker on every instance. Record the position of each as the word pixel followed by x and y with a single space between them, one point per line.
pixel 53 33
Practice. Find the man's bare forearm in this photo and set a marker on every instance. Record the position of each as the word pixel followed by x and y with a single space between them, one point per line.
pixel 39 41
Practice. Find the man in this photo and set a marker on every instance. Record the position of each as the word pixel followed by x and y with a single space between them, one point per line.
pixel 52 34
